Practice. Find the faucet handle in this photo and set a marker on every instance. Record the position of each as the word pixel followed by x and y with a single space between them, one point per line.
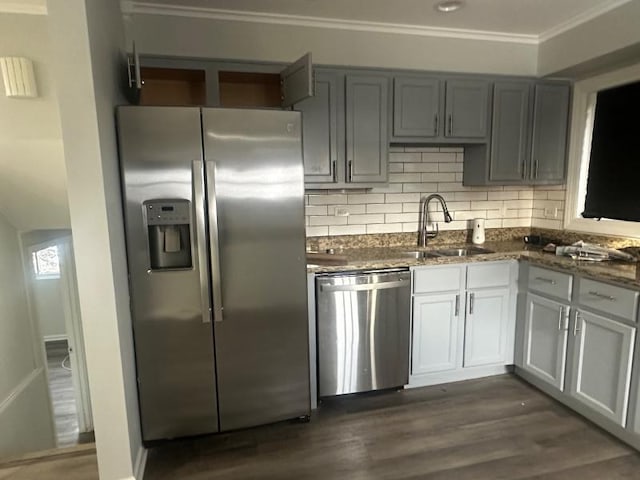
pixel 433 234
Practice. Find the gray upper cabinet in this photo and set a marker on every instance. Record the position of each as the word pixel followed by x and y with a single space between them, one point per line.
pixel 528 137
pixel 549 139
pixel 367 138
pixel 509 139
pixel 466 107
pixel 416 107
pixel 345 130
pixel 437 110
pixel 321 116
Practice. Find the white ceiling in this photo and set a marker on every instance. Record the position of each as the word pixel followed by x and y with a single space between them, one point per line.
pixel 534 18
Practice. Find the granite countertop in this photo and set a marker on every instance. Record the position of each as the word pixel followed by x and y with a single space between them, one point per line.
pixel 391 257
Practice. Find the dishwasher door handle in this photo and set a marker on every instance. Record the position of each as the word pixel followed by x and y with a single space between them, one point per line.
pixel 364 286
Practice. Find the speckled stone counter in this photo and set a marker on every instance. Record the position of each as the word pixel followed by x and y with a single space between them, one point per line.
pixel 372 258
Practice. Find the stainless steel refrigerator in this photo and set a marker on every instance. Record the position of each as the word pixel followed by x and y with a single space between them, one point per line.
pixel 214 215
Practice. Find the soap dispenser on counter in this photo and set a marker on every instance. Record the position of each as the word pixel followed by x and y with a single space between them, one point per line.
pixel 478 231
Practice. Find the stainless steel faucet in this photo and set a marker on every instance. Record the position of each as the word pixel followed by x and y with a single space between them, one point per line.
pixel 424 234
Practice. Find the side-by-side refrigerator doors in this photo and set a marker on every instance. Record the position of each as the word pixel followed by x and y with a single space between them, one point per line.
pixel 163 187
pixel 255 190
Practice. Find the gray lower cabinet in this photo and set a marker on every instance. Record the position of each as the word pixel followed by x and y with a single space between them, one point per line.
pixel 529 130
pixel 432 109
pixel 437 336
pixel 345 131
pixel 486 327
pixel 601 364
pixel 545 339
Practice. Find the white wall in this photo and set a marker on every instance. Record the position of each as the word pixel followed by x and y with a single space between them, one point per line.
pixel 209 38
pixel 601 43
pixel 33 190
pixel 25 416
pixel 88 37
pixel 47 296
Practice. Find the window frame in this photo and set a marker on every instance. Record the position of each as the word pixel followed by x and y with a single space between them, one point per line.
pixel 34 262
pixel 584 97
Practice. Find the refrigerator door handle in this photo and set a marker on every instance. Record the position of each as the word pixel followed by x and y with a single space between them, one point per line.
pixel 200 231
pixel 216 286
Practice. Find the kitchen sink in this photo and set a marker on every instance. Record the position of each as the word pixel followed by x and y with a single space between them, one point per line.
pixel 418 254
pixel 461 252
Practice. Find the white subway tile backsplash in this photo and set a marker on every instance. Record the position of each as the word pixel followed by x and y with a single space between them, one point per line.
pixel 366 198
pixel 415 172
pixel 384 208
pixel 405 157
pixel 348 230
pixel 402 197
pixel 401 217
pixel 316 221
pixel 384 228
pixel 330 199
pixel 404 177
pixel 349 209
pixel 365 219
pixel 421 167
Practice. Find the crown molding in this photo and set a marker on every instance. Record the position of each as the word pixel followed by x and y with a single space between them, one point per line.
pixel 25 9
pixel 581 18
pixel 148 8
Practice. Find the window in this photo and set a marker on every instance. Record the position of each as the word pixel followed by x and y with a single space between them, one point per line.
pixel 584 119
pixel 46 263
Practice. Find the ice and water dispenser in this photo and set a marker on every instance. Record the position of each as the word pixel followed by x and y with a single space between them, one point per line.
pixel 168 226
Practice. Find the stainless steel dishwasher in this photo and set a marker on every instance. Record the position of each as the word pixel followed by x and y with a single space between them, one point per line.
pixel 363 323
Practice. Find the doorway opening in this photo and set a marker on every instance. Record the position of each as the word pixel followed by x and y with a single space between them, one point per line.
pixel 54 303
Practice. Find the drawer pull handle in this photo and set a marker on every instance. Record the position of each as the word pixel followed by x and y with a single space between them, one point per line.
pixel 602 296
pixel 546 280
pixel 457 305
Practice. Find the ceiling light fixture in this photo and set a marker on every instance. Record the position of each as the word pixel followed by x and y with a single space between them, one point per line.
pixel 449 6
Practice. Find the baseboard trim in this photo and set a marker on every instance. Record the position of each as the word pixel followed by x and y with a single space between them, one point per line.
pixel 141 463
pixel 55 338
pixel 459 375
pixel 15 393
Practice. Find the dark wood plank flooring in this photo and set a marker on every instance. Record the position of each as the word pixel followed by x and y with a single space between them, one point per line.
pixel 495 428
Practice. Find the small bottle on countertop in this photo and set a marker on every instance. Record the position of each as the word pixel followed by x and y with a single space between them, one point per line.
pixel 478 231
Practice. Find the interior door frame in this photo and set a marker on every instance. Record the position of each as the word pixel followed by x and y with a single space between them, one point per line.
pixel 73 325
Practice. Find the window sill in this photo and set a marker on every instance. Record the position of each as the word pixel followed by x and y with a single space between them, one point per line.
pixel 616 228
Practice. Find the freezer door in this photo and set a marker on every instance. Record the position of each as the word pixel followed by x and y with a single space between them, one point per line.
pixel 255 194
pixel 163 172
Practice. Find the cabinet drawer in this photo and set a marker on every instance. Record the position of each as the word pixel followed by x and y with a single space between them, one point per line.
pixel 438 279
pixel 550 282
pixel 608 298
pixel 488 275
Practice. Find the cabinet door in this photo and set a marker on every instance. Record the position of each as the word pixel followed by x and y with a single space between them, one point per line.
pixel 436 336
pixel 296 81
pixel 486 327
pixel 549 141
pixel 367 99
pixel 509 132
pixel 601 364
pixel 416 103
pixel 320 115
pixel 467 104
pixel 545 339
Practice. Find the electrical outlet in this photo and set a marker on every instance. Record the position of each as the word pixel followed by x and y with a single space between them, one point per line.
pixel 551 212
pixel 341 212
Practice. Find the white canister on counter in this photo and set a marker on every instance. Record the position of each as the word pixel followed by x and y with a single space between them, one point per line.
pixel 478 231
